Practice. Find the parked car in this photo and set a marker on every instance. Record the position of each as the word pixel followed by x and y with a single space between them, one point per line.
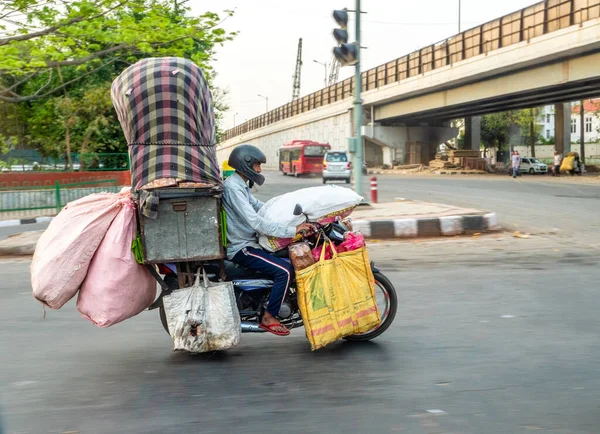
pixel 336 165
pixel 532 166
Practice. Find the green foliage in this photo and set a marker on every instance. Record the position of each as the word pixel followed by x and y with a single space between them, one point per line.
pixel 494 130
pixel 58 59
pixel 495 127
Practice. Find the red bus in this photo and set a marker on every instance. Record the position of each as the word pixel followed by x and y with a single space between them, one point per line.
pixel 300 157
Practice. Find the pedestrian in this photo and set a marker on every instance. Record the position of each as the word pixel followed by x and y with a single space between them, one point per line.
pixel 557 161
pixel 516 163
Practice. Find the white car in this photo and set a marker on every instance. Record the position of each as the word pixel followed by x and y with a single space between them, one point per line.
pixel 532 166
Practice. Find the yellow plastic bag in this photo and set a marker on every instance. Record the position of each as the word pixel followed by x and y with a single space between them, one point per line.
pixel 337 297
pixel 567 164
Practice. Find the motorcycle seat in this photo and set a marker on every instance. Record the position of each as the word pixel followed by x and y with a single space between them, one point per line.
pixel 232 270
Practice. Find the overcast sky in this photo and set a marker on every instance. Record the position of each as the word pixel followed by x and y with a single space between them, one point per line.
pixel 262 58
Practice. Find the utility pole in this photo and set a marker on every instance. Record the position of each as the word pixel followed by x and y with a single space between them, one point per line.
pixel 459 16
pixel 348 55
pixel 532 132
pixel 234 119
pixel 267 100
pixel 582 133
pixel 298 72
pixel 334 72
pixel 324 66
pixel 358 160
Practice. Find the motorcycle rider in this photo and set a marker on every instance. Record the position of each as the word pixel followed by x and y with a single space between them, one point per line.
pixel 244 225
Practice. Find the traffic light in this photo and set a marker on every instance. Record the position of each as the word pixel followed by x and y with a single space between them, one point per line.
pixel 346 54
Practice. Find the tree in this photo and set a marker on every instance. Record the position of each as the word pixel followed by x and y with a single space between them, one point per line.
pixel 58 59
pixel 89 35
pixel 527 120
pixel 494 130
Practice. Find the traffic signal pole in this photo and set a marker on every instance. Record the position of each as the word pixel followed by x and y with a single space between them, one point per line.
pixel 358 114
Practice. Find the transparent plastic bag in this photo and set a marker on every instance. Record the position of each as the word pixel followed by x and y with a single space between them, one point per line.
pixel 203 317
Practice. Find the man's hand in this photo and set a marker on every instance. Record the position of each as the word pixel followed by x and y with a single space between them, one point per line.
pixel 305 229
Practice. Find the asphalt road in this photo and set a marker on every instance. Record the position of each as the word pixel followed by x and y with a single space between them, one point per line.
pixel 493 334
pixel 562 206
pixel 567 207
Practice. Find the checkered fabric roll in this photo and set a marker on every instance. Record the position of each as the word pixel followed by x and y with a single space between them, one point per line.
pixel 165 108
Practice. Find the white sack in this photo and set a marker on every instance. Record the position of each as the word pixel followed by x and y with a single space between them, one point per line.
pixel 210 309
pixel 322 204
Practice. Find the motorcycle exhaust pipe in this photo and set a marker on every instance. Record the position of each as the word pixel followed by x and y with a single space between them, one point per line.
pixel 251 327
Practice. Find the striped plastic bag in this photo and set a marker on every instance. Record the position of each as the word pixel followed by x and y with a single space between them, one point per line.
pixel 337 297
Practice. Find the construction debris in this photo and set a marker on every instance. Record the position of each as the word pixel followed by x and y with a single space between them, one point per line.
pixel 459 159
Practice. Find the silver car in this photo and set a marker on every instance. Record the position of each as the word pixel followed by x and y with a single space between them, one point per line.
pixel 336 165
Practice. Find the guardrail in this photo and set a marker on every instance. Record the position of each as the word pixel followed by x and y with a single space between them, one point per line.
pixel 536 20
pixel 48 199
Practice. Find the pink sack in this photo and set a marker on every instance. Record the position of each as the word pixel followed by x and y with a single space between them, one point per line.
pixel 116 286
pixel 64 251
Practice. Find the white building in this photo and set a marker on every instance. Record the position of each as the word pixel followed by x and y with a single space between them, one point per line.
pixel 546 120
pixel 591 121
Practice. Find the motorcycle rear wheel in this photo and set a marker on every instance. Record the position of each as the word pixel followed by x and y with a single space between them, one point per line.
pixel 385 288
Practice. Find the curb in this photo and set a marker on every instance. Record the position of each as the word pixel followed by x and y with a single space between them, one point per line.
pixel 8 223
pixel 428 227
pixel 459 173
pixel 424 172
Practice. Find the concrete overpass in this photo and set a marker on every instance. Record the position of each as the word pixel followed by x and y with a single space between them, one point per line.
pixel 546 53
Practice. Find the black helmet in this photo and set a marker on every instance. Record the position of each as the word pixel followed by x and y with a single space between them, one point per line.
pixel 243 158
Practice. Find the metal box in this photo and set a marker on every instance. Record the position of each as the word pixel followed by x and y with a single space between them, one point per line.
pixel 188 227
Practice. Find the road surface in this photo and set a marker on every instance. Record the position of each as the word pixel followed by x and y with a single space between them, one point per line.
pixel 493 334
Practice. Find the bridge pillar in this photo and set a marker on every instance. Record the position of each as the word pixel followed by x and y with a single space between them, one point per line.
pixel 562 128
pixel 473 133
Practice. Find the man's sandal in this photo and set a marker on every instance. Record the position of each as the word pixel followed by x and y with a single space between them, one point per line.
pixel 271 329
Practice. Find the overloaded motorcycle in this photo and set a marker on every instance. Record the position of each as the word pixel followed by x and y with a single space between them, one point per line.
pixel 252 289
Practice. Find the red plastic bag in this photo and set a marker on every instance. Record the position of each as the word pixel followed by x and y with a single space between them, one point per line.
pixel 317 252
pixel 353 241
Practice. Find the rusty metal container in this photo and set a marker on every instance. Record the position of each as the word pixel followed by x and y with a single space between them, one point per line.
pixel 188 227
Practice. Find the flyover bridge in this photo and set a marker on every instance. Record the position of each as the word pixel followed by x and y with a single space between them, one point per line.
pixel 546 53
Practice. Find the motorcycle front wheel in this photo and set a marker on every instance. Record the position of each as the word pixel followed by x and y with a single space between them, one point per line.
pixel 387 303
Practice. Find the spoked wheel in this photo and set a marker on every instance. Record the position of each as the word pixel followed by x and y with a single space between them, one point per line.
pixel 387 304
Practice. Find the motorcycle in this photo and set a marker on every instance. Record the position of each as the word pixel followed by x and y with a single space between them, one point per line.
pixel 252 289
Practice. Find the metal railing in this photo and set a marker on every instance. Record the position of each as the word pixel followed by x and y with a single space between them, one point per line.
pixel 536 20
pixel 89 161
pixel 48 199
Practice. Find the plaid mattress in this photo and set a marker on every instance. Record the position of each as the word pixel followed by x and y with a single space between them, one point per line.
pixel 165 108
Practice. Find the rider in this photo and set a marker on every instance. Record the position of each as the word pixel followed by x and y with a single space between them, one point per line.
pixel 244 224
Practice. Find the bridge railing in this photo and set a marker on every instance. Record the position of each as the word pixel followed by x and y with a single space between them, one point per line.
pixel 535 20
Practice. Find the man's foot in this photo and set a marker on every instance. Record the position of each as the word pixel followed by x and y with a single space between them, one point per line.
pixel 272 325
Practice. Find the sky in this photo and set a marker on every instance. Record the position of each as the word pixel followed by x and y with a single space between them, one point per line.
pixel 262 57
